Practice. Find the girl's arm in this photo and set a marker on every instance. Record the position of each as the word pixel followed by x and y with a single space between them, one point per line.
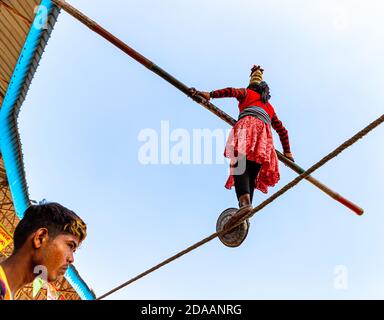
pixel 229 93
pixel 277 125
pixel 222 93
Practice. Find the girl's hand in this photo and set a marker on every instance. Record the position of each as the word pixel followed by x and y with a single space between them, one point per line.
pixel 289 156
pixel 203 94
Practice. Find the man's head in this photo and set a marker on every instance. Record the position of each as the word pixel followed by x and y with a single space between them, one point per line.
pixel 50 234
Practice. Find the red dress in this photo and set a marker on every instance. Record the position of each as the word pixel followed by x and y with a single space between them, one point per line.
pixel 253 137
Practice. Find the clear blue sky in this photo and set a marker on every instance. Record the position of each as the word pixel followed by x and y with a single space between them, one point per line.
pixel 89 102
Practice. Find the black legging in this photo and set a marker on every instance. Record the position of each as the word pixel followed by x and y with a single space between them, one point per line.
pixel 245 183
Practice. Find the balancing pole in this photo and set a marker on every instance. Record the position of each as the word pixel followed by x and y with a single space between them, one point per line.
pixel 185 89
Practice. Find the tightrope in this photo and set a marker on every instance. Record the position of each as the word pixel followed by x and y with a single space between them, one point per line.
pixel 283 190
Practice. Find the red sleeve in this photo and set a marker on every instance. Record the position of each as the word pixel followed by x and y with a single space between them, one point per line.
pixel 282 132
pixel 229 93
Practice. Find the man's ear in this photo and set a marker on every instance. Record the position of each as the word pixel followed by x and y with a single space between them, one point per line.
pixel 40 237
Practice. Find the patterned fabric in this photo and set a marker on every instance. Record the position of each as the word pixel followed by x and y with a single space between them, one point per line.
pixel 247 98
pixel 256 112
pixel 253 138
pixel 51 291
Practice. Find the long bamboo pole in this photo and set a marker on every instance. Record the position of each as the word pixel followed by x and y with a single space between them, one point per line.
pixel 185 89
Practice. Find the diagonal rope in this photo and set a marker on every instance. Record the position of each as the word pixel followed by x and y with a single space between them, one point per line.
pixel 283 190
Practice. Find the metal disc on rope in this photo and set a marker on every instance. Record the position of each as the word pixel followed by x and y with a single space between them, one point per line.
pixel 235 237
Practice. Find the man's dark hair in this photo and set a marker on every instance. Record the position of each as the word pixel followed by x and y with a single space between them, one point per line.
pixel 53 216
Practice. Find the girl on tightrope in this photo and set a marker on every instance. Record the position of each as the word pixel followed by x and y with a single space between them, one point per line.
pixel 253 159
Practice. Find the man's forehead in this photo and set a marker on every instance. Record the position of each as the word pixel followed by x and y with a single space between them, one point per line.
pixel 69 237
